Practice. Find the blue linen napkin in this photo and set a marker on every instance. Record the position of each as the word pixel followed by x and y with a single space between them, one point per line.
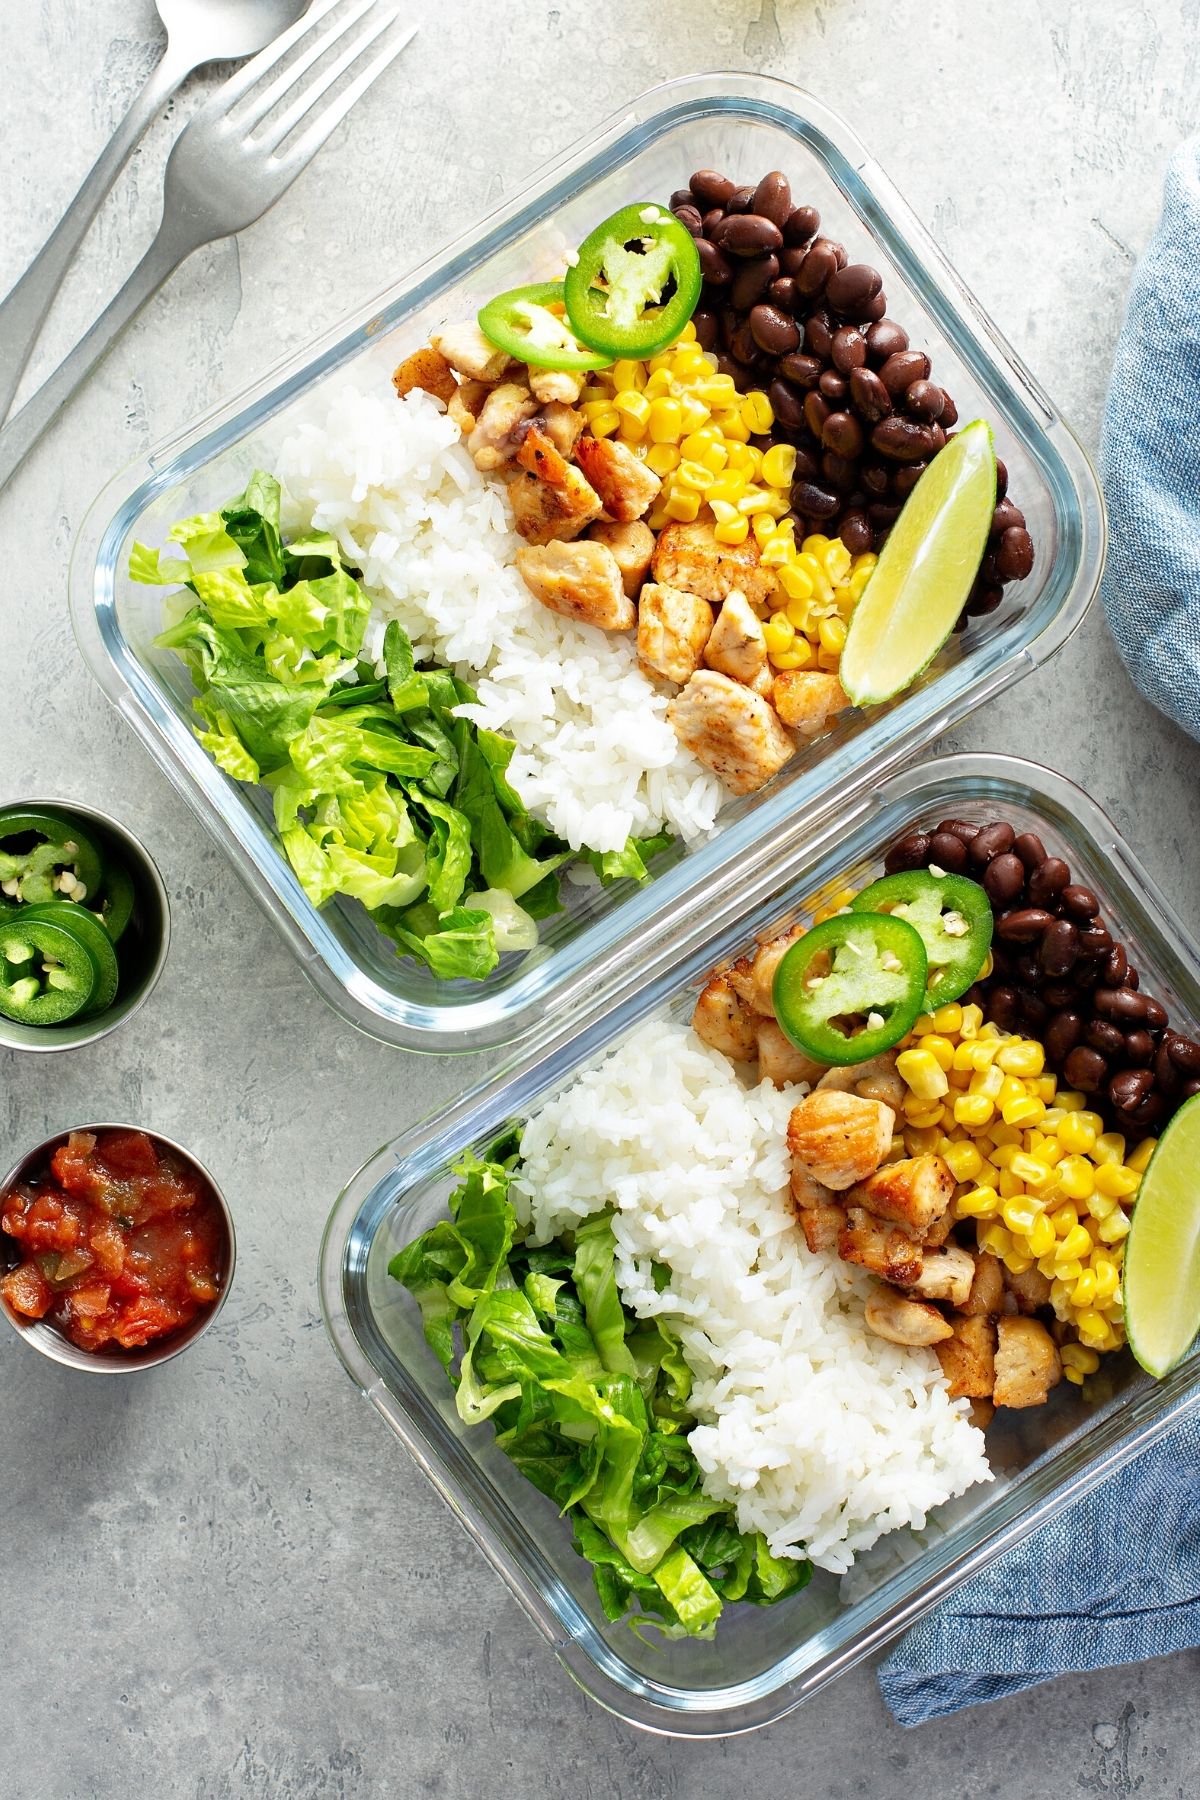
pixel 1116 1578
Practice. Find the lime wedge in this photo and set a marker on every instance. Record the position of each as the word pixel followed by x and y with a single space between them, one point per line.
pixel 925 570
pixel 1161 1277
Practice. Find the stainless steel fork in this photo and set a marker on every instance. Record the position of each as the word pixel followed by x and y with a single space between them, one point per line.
pixel 232 161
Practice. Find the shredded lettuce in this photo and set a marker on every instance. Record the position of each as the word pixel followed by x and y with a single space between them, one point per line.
pixel 591 1403
pixel 382 791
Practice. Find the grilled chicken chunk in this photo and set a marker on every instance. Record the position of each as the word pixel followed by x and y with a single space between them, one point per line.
pixel 466 349
pixel 689 556
pixel 902 1321
pixel 945 1275
pixel 624 483
pixel 731 730
pixel 427 369
pixel 633 547
pixel 737 647
pixel 580 581
pixel 721 1021
pixel 875 1079
pixel 822 1225
pixel 807 701
pixel 673 629
pixel 562 424
pixel 809 1194
pixel 981 1414
pixel 840 1138
pixel 754 976
pixel 778 1058
pixel 499 427
pixel 883 1249
pixel 1027 1363
pixel 562 385
pixel 912 1193
pixel 987 1289
pixel 968 1358
pixel 1029 1290
pixel 543 514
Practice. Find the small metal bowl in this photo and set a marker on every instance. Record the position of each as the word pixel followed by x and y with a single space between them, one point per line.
pixel 141 953
pixel 47 1338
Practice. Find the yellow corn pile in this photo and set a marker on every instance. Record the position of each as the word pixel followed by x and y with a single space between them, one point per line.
pixel 690 425
pixel 1048 1187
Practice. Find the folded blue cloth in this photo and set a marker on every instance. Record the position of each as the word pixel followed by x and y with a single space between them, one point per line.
pixel 1150 460
pixel 1117 1578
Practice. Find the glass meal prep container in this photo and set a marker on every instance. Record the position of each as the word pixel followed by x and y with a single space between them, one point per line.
pixel 747 124
pixel 762 1661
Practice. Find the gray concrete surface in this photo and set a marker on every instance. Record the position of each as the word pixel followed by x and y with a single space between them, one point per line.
pixel 222 1581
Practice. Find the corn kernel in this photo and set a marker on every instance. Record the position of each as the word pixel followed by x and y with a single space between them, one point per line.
pixel 1139 1162
pixel 776 552
pixel 757 412
pixel 988 1083
pixel 736 532
pixel 683 505
pixel 996 1239
pixel 922 1072
pixel 1025 1058
pixel 796 582
pixel 1033 1173
pixel 1115 1227
pixel 1105 1271
pixel 1022 1111
pixel 1076 1244
pixel 832 633
pixel 1019 1212
pixel 1010 1089
pixel 762 527
pixel 662 458
pixel 665 421
pixel 1076 1176
pixel 1092 1326
pixel 973 1109
pixel 694 475
pixel 789 659
pixel 1073 1134
pixel 1010 1184
pixel 1071 1102
pixel 978 1203
pixel 1041 1238
pixel 923 1114
pixel 1005 1134
pixel 963 1161
pixel 1045 1087
pixel 1115 1181
pixel 1084 1291
pixel 972 1020
pixel 779 465
pixel 1094 1120
pixel 948 1019
pixel 1110 1148
pixel 779 633
pixel 1064 1218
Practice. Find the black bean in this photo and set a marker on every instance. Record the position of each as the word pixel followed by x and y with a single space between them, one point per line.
pixel 883 515
pixel 1095 941
pixel 814 501
pixel 747 234
pixel 1001 479
pixel 741 200
pixel 1005 516
pixel 803 223
pixel 1030 848
pixel 690 219
pixel 839 471
pixel 1165 1072
pixel 1154 1013
pixel 752 279
pixel 1122 1005
pixel 713 266
pixel 706 329
pixel 801 370
pixel 991 841
pixel 1004 878
pixel 966 829
pixel 820 263
pixel 874 476
pixel 1059 993
pixel 816 410
pixel 849 349
pixel 869 395
pixel 873 310
pixel 1080 902
pixel 1002 1007
pixel 925 400
pixel 773 330
pixel 1085 1069
pixel 949 412
pixel 1014 558
pixel 910 852
pixel 1062 1034
pixel 854 529
pixel 1103 1035
pixel 1047 881
pixel 885 338
pixel 852 289
pixel 1116 966
pixel 1033 1009
pixel 712 219
pixel 1139 1049
pixel 1184 1053
pixel 783 294
pixel 773 198
pixel 842 434
pixel 906 477
pixel 947 851
pixel 1059 948
pixel 1128 1090
pixel 902 439
pixel 682 197
pixel 711 187
pixel 787 406
pixel 833 386
pixel 903 368
pixel 818 333
pixel 791 256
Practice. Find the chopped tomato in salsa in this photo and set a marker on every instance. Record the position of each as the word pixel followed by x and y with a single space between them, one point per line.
pixel 121 1242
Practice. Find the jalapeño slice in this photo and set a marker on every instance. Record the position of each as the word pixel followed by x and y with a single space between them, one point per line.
pixel 528 323
pixel 116 902
pixel 37 845
pixel 47 975
pixel 87 928
pixel 953 916
pixel 851 987
pixel 635 282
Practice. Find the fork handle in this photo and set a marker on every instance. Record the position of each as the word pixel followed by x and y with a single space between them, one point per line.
pixel 23 311
pixel 176 239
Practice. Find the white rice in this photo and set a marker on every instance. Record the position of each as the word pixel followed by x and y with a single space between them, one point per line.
pixel 596 759
pixel 823 1435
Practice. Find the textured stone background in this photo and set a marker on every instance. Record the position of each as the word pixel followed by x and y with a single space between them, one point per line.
pixel 224 1580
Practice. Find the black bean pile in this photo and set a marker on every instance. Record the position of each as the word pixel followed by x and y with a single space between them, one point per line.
pixel 1060 975
pixel 784 309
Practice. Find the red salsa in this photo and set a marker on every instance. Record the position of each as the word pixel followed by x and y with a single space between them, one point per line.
pixel 120 1242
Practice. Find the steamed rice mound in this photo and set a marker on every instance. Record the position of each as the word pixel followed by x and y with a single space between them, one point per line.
pixel 596 760
pixel 821 1434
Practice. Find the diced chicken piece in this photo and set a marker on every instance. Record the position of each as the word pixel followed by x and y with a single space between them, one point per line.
pixel 940 1230
pixel 754 976
pixel 539 455
pixel 563 425
pixel 627 487
pixel 737 647
pixel 563 385
pixel 807 1192
pixel 1027 1363
pixel 968 1358
pixel 778 1058
pixel 633 547
pixel 981 1413
pixel 875 1079
pixel 822 1225
pixel 466 349
pixel 883 1249
pixel 912 1193
pixel 987 1290
pixel 903 1321
pixel 731 730
pixel 543 514
pixel 499 429
pixel 466 404
pixel 580 581
pixel 946 1275
pixel 722 1022
pixel 689 556
pixel 839 1138
pixel 763 683
pixel 427 369
pixel 807 700
pixel 1030 1290
pixel 673 629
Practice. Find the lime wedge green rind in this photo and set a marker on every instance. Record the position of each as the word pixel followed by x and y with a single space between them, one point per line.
pixel 925 570
pixel 1161 1275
